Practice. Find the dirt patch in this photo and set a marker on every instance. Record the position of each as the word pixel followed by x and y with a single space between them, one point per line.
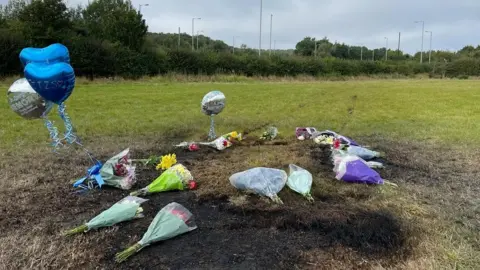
pixel 348 226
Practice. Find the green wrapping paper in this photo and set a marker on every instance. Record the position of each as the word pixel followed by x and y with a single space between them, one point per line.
pixel 176 177
pixel 126 209
pixel 171 221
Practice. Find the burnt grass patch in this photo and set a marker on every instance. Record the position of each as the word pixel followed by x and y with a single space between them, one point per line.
pixel 251 233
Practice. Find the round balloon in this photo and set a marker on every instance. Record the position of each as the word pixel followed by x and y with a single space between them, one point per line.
pixel 213 103
pixel 25 101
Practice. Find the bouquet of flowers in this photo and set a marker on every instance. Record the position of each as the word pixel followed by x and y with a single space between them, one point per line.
pixel 118 171
pixel 262 181
pixel 190 146
pixel 233 136
pixel 303 133
pixel 300 180
pixel 126 209
pixel 219 143
pixel 167 161
pixel 353 169
pixel 171 220
pixel 270 134
pixel 177 177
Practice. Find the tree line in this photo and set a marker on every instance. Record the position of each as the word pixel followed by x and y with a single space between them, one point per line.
pixel 109 38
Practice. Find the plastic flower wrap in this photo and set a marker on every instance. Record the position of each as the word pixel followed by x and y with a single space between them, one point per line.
pixel 303 133
pixel 300 180
pixel 167 161
pixel 118 171
pixel 320 137
pixel 353 169
pixel 219 143
pixel 233 136
pixel 262 181
pixel 126 209
pixel 323 140
pixel 177 177
pixel 362 152
pixel 190 146
pixel 270 134
pixel 172 220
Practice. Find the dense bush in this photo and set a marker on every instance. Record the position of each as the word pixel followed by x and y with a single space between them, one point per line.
pixel 92 57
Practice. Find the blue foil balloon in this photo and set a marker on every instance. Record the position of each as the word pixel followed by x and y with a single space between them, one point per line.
pixel 51 54
pixel 54 82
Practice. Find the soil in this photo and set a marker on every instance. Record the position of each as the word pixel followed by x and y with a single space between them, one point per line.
pixel 235 231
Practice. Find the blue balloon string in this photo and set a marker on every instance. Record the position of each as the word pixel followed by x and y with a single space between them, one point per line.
pixel 69 136
pixel 53 131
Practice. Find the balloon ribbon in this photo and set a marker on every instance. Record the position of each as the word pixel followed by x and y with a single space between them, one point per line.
pixel 70 136
pixel 211 133
pixel 56 142
pixel 93 178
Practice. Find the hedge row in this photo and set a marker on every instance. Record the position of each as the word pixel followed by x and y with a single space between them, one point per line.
pixel 95 58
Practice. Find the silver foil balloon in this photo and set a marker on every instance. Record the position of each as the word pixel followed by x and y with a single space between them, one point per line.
pixel 25 101
pixel 213 103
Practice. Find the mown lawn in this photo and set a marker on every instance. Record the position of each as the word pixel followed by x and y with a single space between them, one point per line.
pixel 426 110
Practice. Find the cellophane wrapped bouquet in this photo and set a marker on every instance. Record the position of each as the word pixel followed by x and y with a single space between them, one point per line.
pixel 177 177
pixel 119 171
pixel 126 209
pixel 172 220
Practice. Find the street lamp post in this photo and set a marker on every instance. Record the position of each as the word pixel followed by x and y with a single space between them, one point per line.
pixel 197 37
pixel 260 36
pixel 233 47
pixel 430 50
pixel 423 31
pixel 193 32
pixel 140 7
pixel 271 23
pixel 361 52
pixel 386 49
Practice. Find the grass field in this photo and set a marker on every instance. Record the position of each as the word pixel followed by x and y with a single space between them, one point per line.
pixel 427 128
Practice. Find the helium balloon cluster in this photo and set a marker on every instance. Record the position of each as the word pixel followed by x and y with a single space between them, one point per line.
pixel 49 80
pixel 213 104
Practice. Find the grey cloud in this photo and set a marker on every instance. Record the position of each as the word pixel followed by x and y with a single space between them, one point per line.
pixel 351 21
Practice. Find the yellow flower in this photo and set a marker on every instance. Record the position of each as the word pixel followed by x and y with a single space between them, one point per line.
pixel 234 134
pixel 167 162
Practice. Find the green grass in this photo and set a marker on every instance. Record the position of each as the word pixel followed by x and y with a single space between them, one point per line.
pixel 433 110
pixel 441 192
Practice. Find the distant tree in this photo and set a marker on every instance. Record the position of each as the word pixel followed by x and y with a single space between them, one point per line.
pixel 117 21
pixel 305 47
pixel 43 22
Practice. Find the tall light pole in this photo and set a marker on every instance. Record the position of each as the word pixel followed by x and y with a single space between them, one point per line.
pixel 233 47
pixel 178 37
pixel 361 52
pixel 386 49
pixel 271 23
pixel 197 37
pixel 260 36
pixel 140 7
pixel 193 32
pixel 423 31
pixel 430 50
pixel 398 50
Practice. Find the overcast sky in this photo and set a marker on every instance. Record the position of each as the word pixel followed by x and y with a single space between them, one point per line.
pixel 455 23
